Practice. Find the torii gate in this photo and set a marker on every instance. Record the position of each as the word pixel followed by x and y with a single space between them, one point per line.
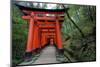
pixel 43 28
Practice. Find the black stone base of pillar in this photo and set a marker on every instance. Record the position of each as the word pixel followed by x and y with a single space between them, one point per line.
pixel 60 55
pixel 28 56
pixel 38 50
pixel 61 51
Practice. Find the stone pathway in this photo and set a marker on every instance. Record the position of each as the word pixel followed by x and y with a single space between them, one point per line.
pixel 48 55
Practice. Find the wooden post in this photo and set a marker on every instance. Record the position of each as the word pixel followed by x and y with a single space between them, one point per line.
pixel 58 35
pixel 36 38
pixel 30 36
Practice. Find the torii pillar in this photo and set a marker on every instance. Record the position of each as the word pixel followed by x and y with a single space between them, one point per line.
pixel 29 46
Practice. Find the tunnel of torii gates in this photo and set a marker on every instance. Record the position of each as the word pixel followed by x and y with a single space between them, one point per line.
pixel 43 28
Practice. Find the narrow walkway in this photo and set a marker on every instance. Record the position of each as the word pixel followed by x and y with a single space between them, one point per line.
pixel 48 56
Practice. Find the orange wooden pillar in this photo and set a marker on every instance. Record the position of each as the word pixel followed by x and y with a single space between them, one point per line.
pixel 55 41
pixel 30 31
pixel 36 43
pixel 30 36
pixel 29 46
pixel 58 35
pixel 34 38
pixel 43 39
pixel 39 38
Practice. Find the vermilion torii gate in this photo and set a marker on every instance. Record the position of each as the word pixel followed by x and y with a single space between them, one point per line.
pixel 44 27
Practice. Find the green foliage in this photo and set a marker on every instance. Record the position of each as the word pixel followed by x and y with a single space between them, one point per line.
pixel 19 36
pixel 85 18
